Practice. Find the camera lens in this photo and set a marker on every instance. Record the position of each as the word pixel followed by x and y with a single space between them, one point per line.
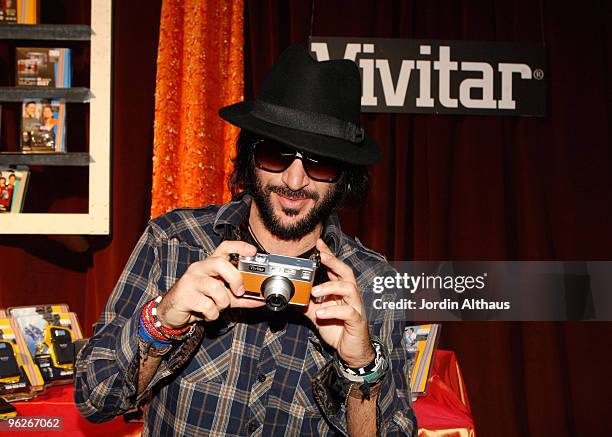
pixel 276 302
pixel 278 291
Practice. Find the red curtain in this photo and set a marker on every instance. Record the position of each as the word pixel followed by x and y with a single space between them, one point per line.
pixel 490 188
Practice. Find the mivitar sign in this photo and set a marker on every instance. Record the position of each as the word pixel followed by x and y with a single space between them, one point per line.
pixel 443 77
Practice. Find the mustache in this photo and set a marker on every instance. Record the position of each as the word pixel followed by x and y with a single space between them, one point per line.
pixel 294 194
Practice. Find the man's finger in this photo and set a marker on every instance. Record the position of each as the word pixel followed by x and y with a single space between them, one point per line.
pixel 206 306
pixel 347 290
pixel 341 269
pixel 223 269
pixel 345 313
pixel 245 302
pixel 214 289
pixel 240 247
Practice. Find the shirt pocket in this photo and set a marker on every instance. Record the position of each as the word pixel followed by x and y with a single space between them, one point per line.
pixel 212 360
pixel 175 257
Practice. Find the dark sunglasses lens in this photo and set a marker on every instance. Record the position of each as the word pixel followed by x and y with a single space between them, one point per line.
pixel 322 169
pixel 272 156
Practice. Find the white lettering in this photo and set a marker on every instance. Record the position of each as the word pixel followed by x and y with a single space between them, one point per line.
pixel 485 84
pixel 473 93
pixel 444 65
pixel 424 100
pixel 367 96
pixel 394 96
pixel 320 50
pixel 506 71
pixel 351 51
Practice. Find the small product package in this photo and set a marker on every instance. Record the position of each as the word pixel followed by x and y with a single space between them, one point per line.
pixel 20 377
pixel 49 332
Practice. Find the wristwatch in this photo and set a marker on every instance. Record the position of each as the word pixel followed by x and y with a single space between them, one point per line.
pixel 364 382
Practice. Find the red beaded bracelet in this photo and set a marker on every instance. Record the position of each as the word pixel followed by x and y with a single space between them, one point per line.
pixel 148 324
pixel 157 330
pixel 158 324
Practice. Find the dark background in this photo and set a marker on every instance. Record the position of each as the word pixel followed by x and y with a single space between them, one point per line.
pixel 449 187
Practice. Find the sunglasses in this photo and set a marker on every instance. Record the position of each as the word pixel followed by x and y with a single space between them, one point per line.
pixel 275 157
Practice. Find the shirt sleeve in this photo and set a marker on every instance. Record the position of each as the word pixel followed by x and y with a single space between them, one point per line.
pixel 395 416
pixel 106 371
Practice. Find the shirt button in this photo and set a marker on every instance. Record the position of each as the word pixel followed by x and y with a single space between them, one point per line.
pixel 261 378
pixel 252 427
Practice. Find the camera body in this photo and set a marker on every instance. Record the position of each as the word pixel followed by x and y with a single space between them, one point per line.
pixel 277 279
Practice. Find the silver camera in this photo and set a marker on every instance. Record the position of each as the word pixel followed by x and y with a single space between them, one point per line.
pixel 278 280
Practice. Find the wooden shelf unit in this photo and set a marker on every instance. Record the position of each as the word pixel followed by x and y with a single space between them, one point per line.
pixel 98 96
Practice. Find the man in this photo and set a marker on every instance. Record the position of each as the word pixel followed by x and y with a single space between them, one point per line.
pixel 30 124
pixel 30 120
pixel 242 369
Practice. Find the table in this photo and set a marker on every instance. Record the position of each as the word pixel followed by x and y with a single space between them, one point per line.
pixel 444 412
pixel 58 401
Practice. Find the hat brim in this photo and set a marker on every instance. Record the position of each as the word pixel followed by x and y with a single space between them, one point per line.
pixel 365 153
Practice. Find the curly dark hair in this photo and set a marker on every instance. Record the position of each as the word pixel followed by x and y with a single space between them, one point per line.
pixel 353 183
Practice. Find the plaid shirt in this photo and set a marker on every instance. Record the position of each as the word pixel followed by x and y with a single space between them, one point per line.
pixel 251 372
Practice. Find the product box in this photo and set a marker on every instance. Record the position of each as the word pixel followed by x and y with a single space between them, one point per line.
pixel 20 377
pixel 13 185
pixel 49 331
pixel 43 126
pixel 420 342
pixel 28 11
pixel 8 11
pixel 43 67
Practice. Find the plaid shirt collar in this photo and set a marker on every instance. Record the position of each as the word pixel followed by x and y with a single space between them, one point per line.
pixel 233 214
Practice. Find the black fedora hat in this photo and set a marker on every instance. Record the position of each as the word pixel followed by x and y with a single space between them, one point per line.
pixel 311 106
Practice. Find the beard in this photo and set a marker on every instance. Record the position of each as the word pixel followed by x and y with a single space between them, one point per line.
pixel 322 209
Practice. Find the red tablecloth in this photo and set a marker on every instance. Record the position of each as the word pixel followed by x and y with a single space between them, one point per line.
pixel 445 411
pixel 58 401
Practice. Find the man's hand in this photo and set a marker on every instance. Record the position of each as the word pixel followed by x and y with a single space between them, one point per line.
pixel 340 317
pixel 202 292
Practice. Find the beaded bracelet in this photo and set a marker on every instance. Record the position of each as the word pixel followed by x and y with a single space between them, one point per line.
pixel 151 315
pixel 145 335
pixel 149 324
pixel 158 324
pixel 157 330
pixel 153 332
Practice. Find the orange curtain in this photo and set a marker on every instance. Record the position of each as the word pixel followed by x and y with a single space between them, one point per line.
pixel 199 69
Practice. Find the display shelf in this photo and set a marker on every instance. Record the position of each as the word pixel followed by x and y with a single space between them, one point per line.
pixel 97 220
pixel 70 159
pixel 21 93
pixel 45 32
pixel 48 223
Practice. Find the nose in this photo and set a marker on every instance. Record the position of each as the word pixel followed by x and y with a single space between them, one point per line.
pixel 295 177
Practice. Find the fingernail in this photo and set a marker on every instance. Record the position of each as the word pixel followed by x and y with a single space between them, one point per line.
pixel 325 255
pixel 316 289
pixel 251 249
pixel 321 312
pixel 240 290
